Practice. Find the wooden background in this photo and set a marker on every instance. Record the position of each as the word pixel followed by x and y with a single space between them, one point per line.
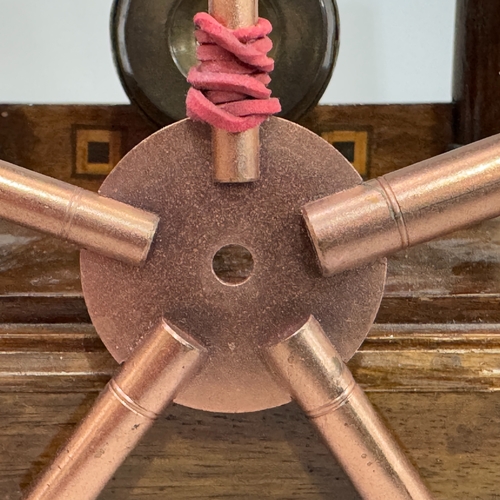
pixel 431 364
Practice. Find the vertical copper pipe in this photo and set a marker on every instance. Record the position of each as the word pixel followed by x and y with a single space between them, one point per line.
pixel 94 222
pixel 310 367
pixel 129 405
pixel 406 207
pixel 236 156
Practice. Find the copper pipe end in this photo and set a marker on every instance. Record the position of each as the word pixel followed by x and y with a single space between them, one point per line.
pixel 129 405
pixel 350 229
pixel 163 363
pixel 236 156
pixel 406 207
pixel 308 365
pixel 100 224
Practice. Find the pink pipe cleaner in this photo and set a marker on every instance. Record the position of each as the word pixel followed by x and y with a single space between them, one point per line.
pixel 229 85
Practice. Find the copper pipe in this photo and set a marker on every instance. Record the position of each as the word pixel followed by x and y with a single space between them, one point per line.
pixel 406 207
pixel 129 405
pixel 91 221
pixel 236 156
pixel 234 14
pixel 309 366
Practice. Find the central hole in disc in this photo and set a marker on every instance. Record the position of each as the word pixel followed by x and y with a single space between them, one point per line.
pixel 233 264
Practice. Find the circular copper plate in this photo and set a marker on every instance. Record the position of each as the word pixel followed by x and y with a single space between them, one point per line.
pixel 170 173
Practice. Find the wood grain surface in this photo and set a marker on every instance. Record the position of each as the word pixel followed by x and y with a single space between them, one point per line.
pixel 41 137
pixel 476 87
pixel 398 135
pixel 452 438
pixel 431 364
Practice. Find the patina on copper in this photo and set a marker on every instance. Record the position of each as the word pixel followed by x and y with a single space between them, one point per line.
pixel 406 207
pixel 91 221
pixel 236 156
pixel 312 370
pixel 170 173
pixel 123 413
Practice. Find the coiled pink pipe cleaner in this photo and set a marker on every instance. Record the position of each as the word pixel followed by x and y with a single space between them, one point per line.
pixel 229 85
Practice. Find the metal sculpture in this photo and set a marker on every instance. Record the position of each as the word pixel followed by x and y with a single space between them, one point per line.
pixel 283 331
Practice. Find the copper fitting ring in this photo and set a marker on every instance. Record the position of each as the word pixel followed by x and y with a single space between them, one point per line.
pixel 333 404
pixel 128 402
pixel 395 210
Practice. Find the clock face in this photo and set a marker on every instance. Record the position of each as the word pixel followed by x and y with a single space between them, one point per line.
pixel 154 49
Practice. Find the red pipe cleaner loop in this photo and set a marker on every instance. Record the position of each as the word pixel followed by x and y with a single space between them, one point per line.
pixel 229 85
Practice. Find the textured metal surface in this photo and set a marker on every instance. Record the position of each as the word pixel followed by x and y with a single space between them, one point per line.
pixel 171 174
pixel 236 156
pixel 407 207
pixel 234 14
pixel 310 366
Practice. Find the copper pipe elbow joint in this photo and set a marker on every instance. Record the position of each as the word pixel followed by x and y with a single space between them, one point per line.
pixel 406 207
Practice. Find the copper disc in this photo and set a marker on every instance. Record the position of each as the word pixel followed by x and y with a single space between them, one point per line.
pixel 170 173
